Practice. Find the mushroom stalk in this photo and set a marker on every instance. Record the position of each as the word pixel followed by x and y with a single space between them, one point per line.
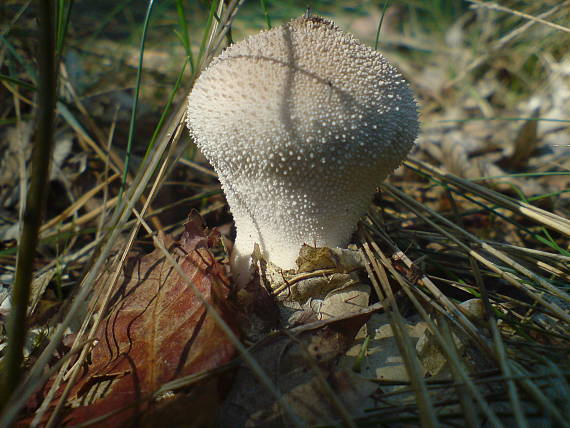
pixel 301 123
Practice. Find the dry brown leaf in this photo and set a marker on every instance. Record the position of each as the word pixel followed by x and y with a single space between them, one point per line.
pixel 382 358
pixel 156 330
pixel 298 363
pixel 526 142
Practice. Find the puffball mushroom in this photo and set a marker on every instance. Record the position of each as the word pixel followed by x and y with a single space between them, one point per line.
pixel 301 123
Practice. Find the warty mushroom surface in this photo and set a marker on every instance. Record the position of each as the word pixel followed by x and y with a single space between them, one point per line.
pixel 301 123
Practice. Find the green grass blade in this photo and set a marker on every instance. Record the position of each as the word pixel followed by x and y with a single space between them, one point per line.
pixel 207 28
pixel 30 70
pixel 266 13
pixel 166 110
pixel 133 122
pixel 384 9
pixel 17 16
pixel 486 206
pixel 183 33
pixel 18 82
pixel 108 18
pixel 63 14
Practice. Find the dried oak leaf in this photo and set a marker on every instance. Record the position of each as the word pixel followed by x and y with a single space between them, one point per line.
pixel 155 330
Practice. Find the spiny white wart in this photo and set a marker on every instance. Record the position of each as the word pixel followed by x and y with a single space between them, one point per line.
pixel 301 123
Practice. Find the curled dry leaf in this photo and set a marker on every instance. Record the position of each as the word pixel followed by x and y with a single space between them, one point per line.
pixel 155 330
pixel 326 283
pixel 302 364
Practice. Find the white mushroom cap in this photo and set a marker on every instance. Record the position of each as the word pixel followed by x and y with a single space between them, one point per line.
pixel 301 123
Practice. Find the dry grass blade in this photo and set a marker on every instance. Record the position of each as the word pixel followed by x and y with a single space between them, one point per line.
pixel 78 204
pixel 514 264
pixel 532 252
pixel 528 273
pixel 81 220
pixel 536 214
pixel 218 36
pixel 503 257
pixel 528 289
pixel 90 326
pixel 465 400
pixel 107 155
pixel 377 275
pixel 86 139
pixel 514 397
pixel 197 167
pixel 500 44
pixel 186 381
pixel 446 346
pixel 120 217
pixel 495 6
pixel 446 306
pixel 323 384
pixel 541 399
pixel 15 18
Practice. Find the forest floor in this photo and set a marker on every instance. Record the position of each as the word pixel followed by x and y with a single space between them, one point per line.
pixel 466 247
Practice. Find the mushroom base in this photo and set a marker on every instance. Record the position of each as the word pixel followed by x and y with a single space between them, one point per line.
pixel 280 248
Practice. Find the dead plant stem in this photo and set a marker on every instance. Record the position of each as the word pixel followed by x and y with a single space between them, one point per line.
pixel 39 177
